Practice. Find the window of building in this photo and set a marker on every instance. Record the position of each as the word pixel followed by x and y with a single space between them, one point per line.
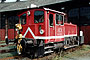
pixel 65 18
pixel 59 19
pixel 51 19
pixel 23 19
pixel 3 18
pixel 0 20
pixel 12 20
pixel 38 16
pixel 16 19
pixel 0 23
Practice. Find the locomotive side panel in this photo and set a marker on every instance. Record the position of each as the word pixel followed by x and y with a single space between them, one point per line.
pixel 28 31
pixel 51 26
pixel 59 27
pixel 70 30
pixel 59 33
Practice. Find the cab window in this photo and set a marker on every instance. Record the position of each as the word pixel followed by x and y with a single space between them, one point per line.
pixel 23 19
pixel 51 19
pixel 59 19
pixel 65 18
pixel 38 16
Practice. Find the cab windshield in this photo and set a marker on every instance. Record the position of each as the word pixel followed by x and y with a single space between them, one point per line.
pixel 38 16
pixel 59 19
pixel 23 19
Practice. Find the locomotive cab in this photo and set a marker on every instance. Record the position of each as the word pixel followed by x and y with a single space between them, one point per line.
pixel 33 25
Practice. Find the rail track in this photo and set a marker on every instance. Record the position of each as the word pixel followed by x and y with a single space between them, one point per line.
pixel 7 48
pixel 6 45
pixel 47 56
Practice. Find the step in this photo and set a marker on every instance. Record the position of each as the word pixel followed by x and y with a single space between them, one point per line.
pixel 46 52
pixel 67 47
pixel 49 47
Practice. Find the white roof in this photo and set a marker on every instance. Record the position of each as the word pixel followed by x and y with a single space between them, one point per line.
pixel 54 11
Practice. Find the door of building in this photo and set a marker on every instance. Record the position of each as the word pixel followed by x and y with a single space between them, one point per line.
pixel 86 33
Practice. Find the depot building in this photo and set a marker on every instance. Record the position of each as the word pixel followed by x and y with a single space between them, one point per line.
pixel 78 12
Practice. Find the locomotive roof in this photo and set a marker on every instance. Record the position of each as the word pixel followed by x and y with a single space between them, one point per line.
pixel 54 11
pixel 10 6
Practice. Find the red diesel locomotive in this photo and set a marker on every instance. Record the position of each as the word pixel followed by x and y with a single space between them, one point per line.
pixel 42 30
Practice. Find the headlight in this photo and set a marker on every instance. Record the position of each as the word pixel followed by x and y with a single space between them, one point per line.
pixel 41 31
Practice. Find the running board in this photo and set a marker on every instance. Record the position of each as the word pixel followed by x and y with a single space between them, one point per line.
pixel 49 47
pixel 67 47
pixel 46 52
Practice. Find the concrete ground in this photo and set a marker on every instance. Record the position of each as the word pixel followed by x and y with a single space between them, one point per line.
pixel 79 54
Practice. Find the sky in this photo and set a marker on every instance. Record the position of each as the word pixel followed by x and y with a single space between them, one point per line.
pixel 12 0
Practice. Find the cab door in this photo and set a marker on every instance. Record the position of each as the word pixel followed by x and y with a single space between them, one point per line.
pixel 51 26
pixel 59 28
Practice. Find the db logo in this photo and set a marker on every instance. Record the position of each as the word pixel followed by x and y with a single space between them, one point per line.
pixel 59 29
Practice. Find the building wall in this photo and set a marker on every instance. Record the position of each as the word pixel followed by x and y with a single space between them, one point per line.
pixel 81 17
pixel 0 20
pixel 12 0
pixel 86 33
pixel 2 31
pixel 0 25
pixel 10 25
